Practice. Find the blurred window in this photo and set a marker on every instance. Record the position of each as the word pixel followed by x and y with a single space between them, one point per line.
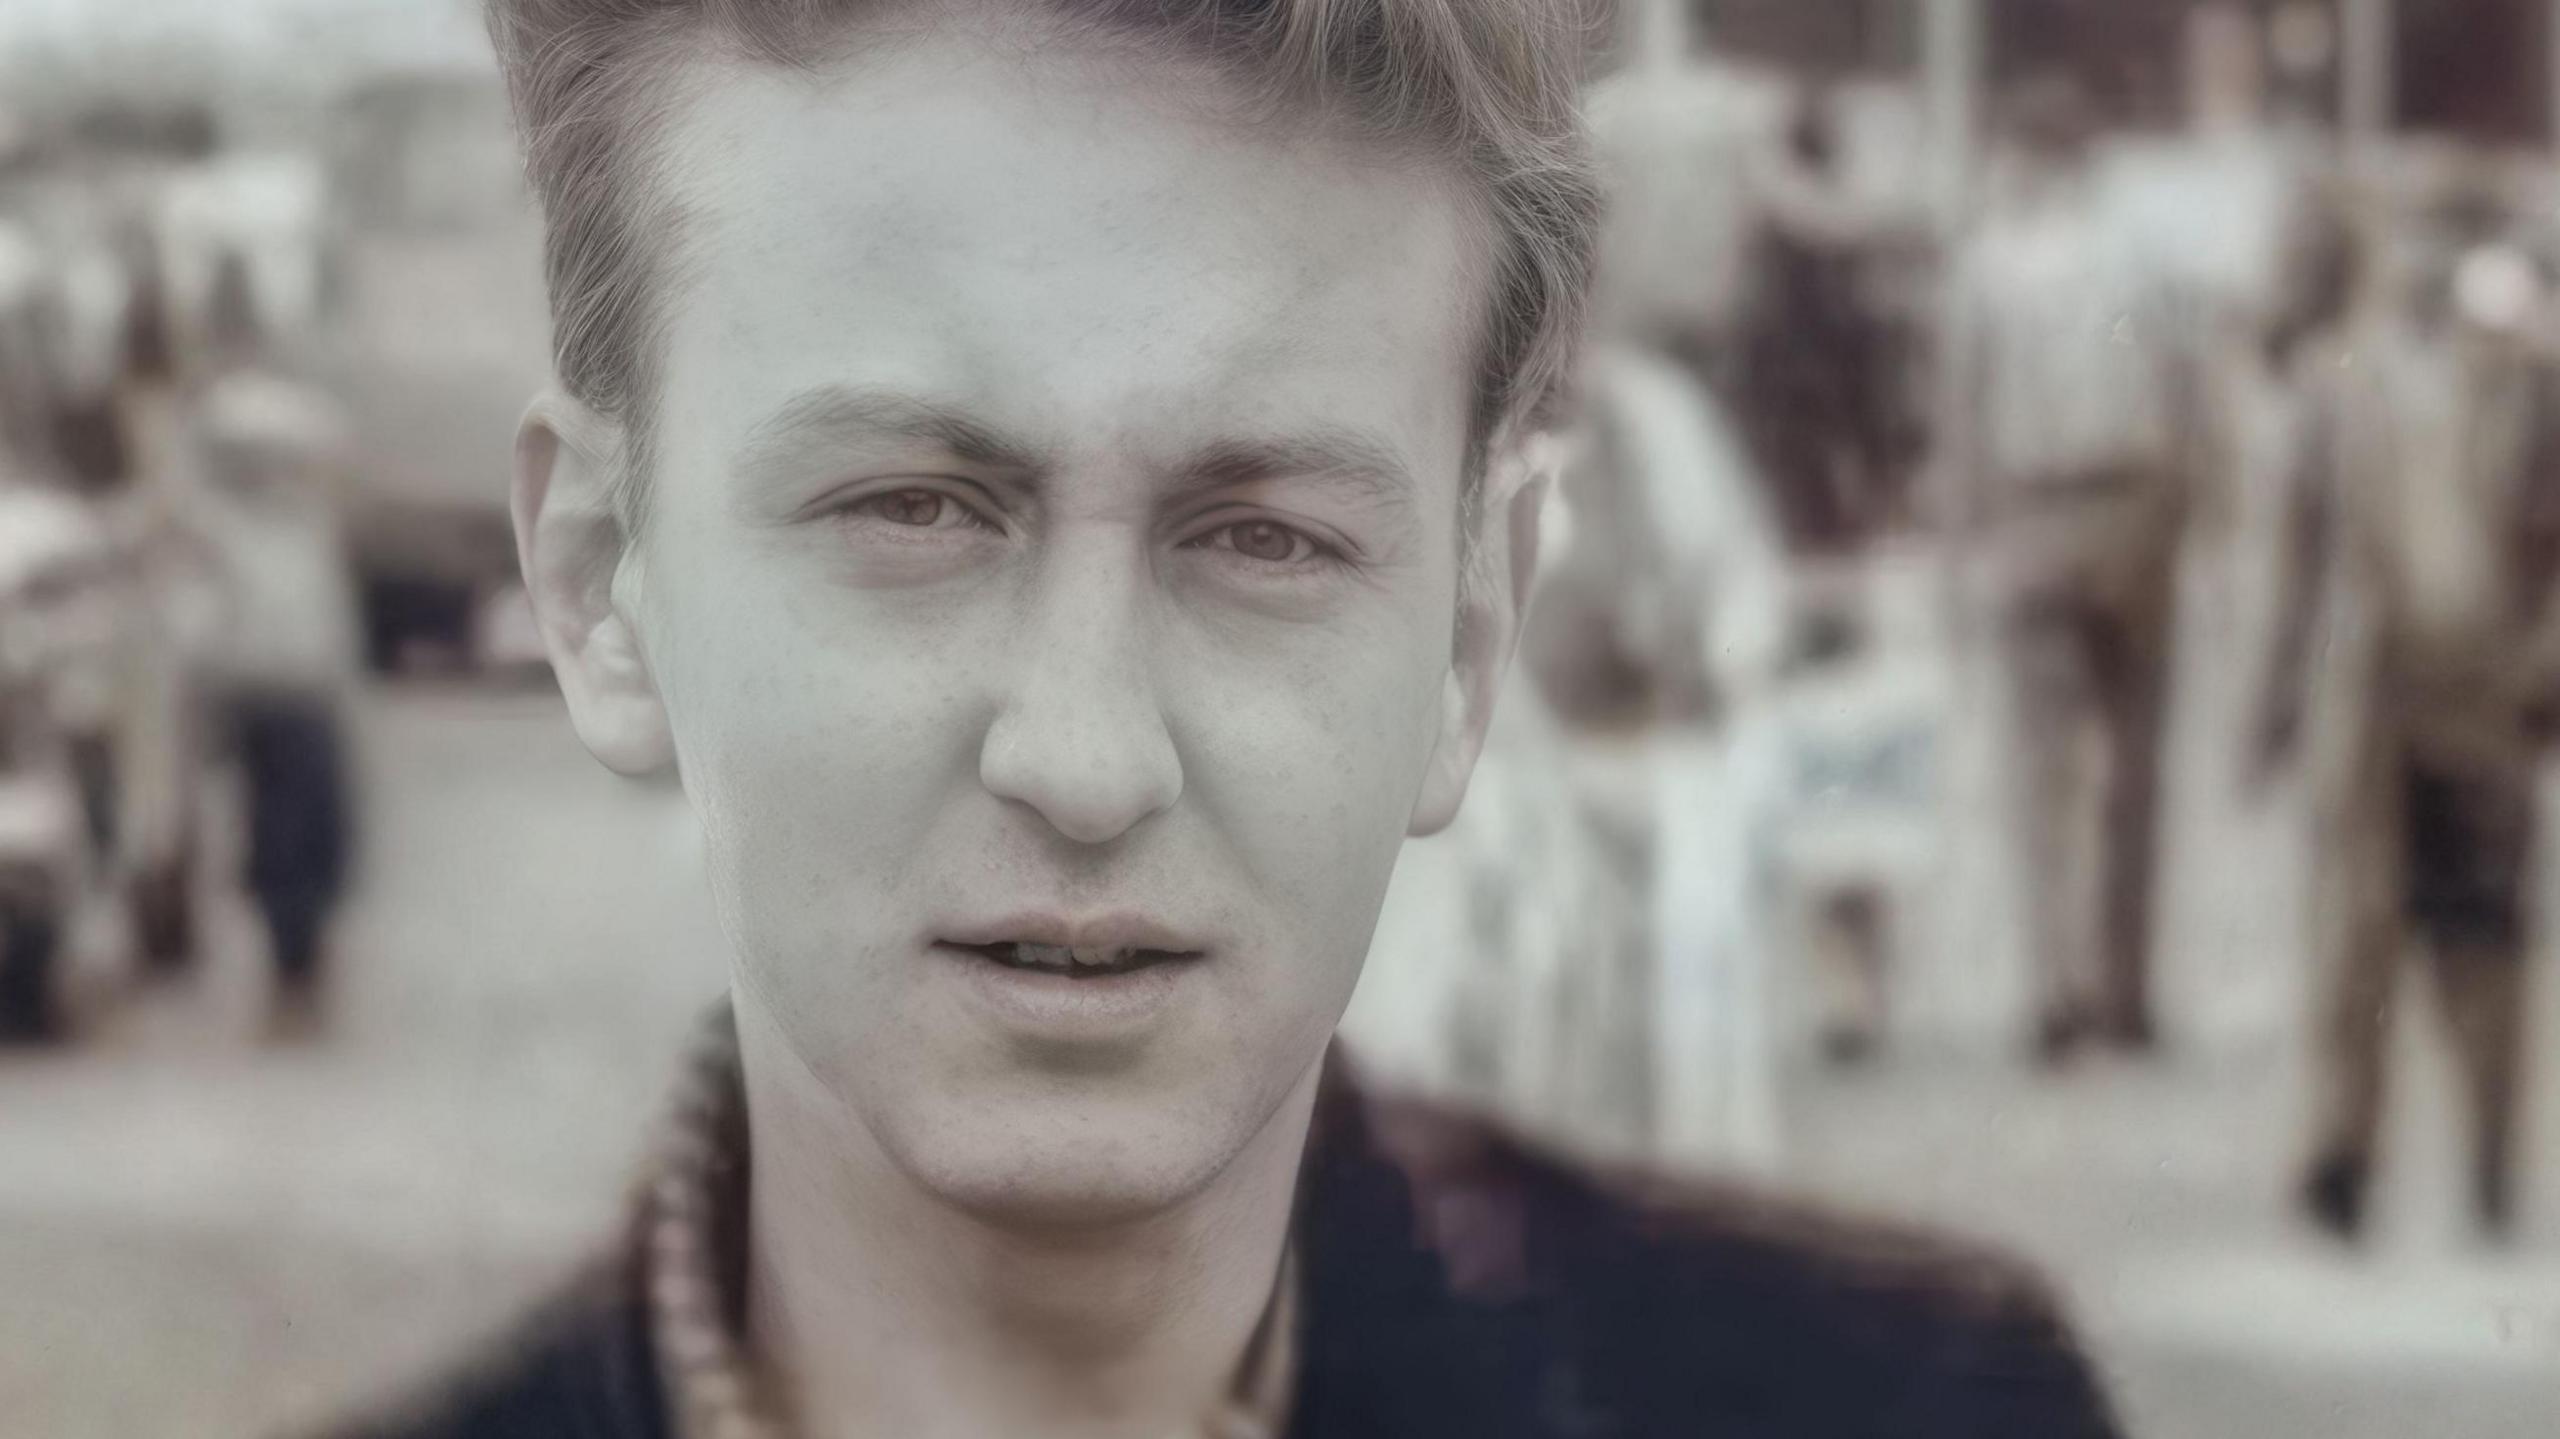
pixel 2474 68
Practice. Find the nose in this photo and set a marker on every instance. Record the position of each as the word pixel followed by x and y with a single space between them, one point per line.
pixel 1080 736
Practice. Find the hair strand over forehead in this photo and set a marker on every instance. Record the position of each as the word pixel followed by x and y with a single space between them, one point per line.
pixel 1492 86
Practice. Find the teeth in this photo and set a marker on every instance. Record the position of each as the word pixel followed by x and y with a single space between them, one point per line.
pixel 1053 956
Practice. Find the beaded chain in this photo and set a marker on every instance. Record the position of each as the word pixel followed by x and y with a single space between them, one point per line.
pixel 695 1282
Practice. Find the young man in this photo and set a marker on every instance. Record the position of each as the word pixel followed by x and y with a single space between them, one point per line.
pixel 2414 671
pixel 279 667
pixel 1051 478
pixel 2071 482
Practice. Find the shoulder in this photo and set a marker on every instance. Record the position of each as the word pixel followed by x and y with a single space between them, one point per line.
pixel 579 1368
pixel 1674 1307
pixel 1857 1325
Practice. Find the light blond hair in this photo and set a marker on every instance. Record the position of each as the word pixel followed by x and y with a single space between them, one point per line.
pixel 1491 87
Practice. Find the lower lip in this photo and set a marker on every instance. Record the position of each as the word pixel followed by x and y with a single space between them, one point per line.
pixel 1061 1007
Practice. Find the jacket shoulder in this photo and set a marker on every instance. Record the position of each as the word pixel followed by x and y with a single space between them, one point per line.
pixel 1696 1304
pixel 1888 1328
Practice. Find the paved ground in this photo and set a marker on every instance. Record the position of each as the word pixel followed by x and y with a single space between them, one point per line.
pixel 2157 1196
pixel 204 1235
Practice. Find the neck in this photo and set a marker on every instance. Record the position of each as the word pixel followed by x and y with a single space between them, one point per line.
pixel 875 1307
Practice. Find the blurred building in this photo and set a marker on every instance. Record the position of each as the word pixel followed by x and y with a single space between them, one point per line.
pixel 2478 70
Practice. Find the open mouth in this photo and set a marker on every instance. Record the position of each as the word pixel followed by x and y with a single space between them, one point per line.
pixel 1075 963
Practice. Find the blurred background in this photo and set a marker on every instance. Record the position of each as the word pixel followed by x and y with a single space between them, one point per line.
pixel 2036 722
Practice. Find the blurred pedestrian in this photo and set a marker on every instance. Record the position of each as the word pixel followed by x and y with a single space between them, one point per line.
pixel 91 374
pixel 2416 671
pixel 2069 481
pixel 1807 372
pixel 279 663
pixel 1660 629
pixel 57 646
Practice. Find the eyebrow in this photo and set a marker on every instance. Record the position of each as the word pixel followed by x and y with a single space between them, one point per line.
pixel 1355 464
pixel 1360 467
pixel 851 414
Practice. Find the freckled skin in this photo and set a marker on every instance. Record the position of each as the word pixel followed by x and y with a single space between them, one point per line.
pixel 1063 691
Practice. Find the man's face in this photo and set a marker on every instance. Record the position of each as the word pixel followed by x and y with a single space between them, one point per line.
pixel 1054 543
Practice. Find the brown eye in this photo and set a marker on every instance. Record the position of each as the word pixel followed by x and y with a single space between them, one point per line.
pixel 1263 540
pixel 921 508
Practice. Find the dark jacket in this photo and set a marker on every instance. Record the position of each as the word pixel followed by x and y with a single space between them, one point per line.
pixel 1459 1282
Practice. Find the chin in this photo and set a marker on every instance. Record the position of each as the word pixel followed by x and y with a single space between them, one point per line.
pixel 1067 1162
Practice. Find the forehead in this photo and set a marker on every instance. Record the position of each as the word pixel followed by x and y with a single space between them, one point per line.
pixel 1078 244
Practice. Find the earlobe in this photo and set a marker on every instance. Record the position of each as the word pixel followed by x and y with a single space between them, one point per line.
pixel 1492 602
pixel 571 548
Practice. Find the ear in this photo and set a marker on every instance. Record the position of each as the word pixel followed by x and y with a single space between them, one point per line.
pixel 1493 598
pixel 572 550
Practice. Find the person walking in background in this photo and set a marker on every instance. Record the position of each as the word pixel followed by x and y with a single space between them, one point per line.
pixel 88 370
pixel 2415 671
pixel 2067 489
pixel 1807 369
pixel 279 662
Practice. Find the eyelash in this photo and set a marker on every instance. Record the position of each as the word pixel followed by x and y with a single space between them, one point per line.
pixel 1317 552
pixel 869 507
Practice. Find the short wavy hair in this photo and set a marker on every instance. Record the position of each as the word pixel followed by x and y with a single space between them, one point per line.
pixel 1490 86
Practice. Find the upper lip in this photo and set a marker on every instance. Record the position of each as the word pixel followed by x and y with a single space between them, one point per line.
pixel 1116 929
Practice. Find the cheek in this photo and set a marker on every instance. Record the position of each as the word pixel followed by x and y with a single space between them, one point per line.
pixel 1310 764
pixel 815 747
